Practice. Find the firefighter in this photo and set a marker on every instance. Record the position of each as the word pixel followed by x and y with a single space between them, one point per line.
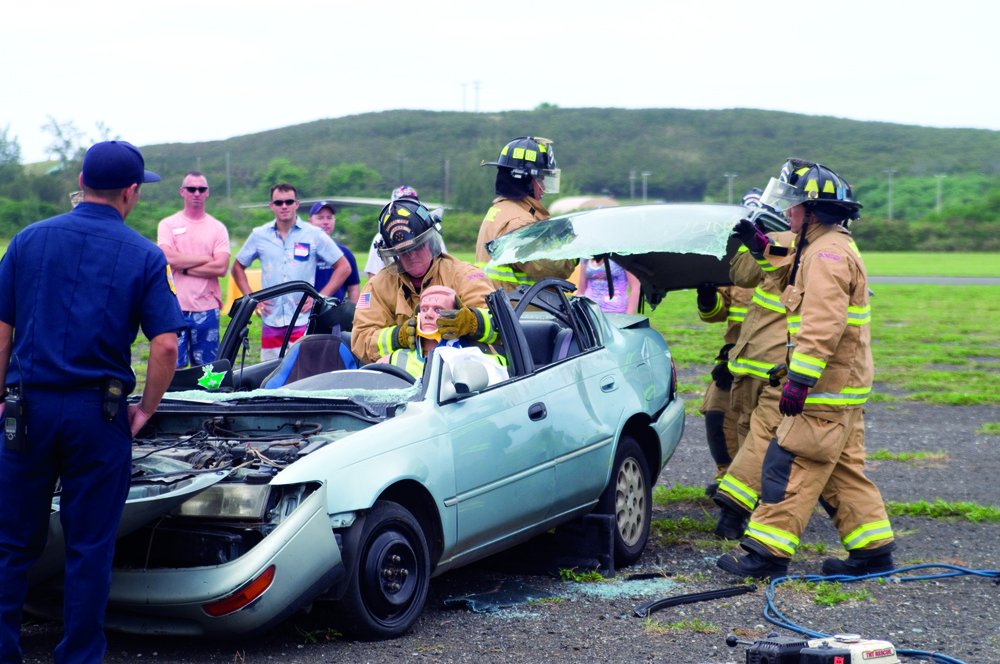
pixel 385 319
pixel 759 350
pixel 728 303
pixel 526 170
pixel 818 449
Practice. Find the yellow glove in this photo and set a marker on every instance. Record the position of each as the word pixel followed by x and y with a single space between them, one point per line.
pixel 464 322
pixel 405 334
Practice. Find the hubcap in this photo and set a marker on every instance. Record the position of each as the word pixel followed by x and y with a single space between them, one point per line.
pixel 630 502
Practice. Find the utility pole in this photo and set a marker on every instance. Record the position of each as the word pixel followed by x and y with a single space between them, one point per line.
pixel 476 85
pixel 447 177
pixel 631 186
pixel 229 184
pixel 463 96
pixel 938 177
pixel 198 164
pixel 730 177
pixel 400 158
pixel 645 174
pixel 890 173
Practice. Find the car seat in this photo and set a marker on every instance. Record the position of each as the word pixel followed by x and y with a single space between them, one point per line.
pixel 311 355
pixel 565 345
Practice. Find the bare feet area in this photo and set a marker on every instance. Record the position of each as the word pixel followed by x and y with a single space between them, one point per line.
pixel 596 621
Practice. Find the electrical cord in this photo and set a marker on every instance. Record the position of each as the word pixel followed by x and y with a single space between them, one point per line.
pixel 775 617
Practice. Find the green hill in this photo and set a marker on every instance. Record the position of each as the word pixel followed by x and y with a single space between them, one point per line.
pixel 686 153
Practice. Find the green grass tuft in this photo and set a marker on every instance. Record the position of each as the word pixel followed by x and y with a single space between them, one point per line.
pixel 942 510
pixel 592 576
pixel 886 455
pixel 665 495
pixel 990 428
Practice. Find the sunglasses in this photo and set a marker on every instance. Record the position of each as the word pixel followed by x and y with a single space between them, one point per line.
pixel 200 190
pixel 289 201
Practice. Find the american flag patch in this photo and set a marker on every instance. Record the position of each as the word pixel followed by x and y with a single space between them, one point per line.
pixel 833 257
pixel 476 275
pixel 365 301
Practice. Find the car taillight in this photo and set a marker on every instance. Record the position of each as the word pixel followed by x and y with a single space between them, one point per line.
pixel 673 378
pixel 236 602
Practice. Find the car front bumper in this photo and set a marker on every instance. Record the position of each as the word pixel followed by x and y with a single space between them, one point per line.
pixel 303 550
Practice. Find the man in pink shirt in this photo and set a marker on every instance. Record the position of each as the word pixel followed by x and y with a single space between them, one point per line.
pixel 196 245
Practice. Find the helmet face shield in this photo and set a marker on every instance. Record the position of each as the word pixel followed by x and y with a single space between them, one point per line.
pixel 549 179
pixel 782 196
pixel 413 257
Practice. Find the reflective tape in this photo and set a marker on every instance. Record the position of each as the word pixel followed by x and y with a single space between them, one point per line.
pixel 868 533
pixel 505 273
pixel 749 367
pixel 738 491
pixel 737 314
pixel 764 265
pixel 764 299
pixel 805 365
pixel 385 346
pixel 849 396
pixel 715 310
pixel 489 334
pixel 794 323
pixel 859 315
pixel 779 539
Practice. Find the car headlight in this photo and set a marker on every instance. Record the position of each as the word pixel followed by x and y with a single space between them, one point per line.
pixel 227 501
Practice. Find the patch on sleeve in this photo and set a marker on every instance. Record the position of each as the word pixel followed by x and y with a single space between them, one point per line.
pixel 365 301
pixel 170 280
pixel 475 275
pixel 832 257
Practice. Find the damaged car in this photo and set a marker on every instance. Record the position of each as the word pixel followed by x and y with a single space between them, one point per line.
pixel 259 489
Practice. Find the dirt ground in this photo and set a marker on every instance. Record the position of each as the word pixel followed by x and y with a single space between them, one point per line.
pixel 595 622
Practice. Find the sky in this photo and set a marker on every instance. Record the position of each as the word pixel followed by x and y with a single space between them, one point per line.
pixel 184 72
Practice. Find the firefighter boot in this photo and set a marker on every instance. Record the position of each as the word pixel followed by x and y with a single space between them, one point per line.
pixel 757 563
pixel 732 523
pixel 861 562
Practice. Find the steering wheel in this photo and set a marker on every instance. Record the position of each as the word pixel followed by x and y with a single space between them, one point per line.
pixel 391 369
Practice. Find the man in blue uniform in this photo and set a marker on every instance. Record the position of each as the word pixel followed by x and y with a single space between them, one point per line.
pixel 77 288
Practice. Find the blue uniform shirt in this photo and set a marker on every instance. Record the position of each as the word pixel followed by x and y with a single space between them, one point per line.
pixel 77 288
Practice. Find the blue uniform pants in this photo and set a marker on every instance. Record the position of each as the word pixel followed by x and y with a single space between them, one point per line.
pixel 68 440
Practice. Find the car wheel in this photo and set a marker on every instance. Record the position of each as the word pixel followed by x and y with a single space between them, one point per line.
pixel 629 498
pixel 391 575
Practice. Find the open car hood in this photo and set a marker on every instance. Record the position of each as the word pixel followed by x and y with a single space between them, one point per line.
pixel 667 247
pixel 145 502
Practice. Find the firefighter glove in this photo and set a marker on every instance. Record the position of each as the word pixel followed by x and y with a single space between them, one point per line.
pixel 722 376
pixel 751 237
pixel 405 334
pixel 708 297
pixel 793 398
pixel 464 322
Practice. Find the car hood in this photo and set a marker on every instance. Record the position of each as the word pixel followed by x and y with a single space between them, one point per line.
pixel 667 247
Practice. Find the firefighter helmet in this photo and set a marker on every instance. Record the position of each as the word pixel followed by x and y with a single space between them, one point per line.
pixel 530 158
pixel 407 226
pixel 824 192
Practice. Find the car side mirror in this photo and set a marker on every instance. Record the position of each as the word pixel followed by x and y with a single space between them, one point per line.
pixel 462 380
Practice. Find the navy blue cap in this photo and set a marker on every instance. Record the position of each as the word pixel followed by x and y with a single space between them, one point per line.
pixel 319 205
pixel 115 165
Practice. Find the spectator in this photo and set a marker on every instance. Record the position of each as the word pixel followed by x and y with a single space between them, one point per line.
pixel 289 250
pixel 322 215
pixel 196 245
pixel 594 284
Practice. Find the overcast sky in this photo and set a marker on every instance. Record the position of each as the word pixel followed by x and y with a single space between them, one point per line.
pixel 211 69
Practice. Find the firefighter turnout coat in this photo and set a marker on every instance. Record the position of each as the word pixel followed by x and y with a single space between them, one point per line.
pixel 508 215
pixel 388 300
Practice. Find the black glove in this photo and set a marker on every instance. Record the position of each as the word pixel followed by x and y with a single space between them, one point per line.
pixel 708 297
pixel 720 372
pixel 793 398
pixel 751 237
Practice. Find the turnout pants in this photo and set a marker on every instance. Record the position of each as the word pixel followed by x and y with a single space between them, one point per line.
pixel 812 457
pixel 720 428
pixel 757 404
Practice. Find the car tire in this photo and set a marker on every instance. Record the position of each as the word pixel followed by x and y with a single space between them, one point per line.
pixel 390 576
pixel 629 498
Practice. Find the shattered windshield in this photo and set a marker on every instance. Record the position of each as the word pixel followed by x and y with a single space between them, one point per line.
pixel 639 229
pixel 370 396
